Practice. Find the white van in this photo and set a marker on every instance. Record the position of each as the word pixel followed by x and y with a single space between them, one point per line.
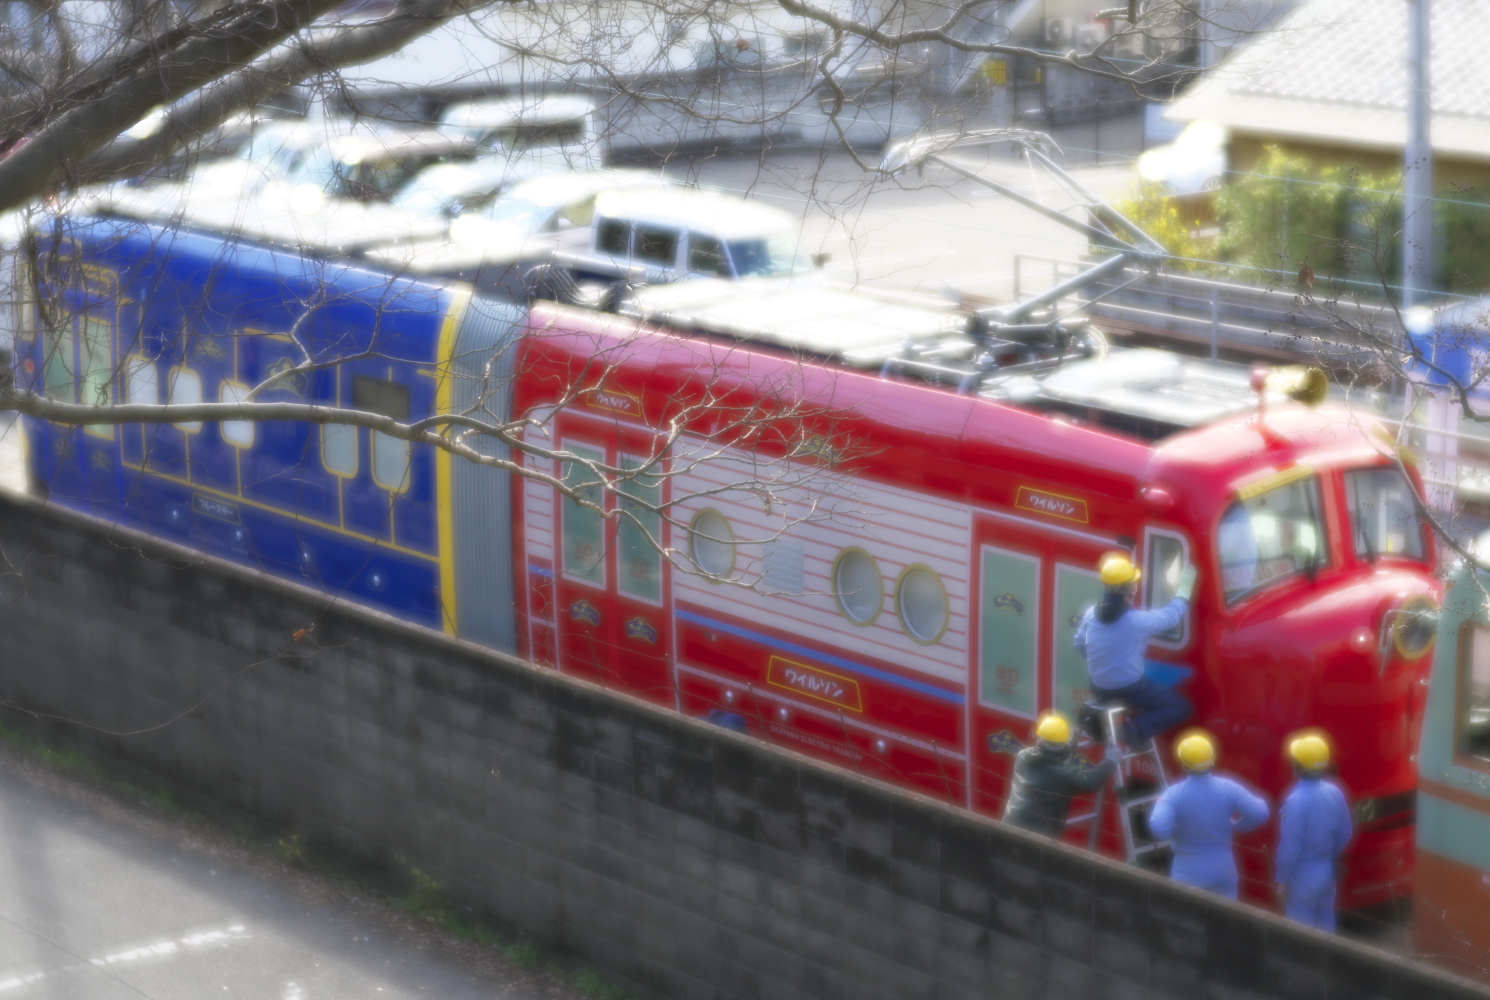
pixel 660 235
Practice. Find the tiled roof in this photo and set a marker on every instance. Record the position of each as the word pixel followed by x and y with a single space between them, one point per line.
pixel 1335 71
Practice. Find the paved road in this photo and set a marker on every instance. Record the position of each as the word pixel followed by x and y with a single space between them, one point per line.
pixel 930 232
pixel 105 900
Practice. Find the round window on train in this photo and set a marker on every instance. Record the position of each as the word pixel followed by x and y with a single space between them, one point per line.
pixel 711 543
pixel 858 585
pixel 921 602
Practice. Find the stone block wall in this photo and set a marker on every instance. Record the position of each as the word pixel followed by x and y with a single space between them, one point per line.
pixel 686 860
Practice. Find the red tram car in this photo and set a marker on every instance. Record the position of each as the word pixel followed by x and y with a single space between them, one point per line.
pixel 908 588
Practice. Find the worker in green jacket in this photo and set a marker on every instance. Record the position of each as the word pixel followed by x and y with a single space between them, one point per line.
pixel 1046 779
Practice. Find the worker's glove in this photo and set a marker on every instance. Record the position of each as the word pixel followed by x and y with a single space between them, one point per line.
pixel 1187 583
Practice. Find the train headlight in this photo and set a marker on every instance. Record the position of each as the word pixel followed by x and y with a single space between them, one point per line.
pixel 1414 627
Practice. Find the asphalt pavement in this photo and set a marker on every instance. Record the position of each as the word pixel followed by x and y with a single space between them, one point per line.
pixel 102 898
pixel 931 231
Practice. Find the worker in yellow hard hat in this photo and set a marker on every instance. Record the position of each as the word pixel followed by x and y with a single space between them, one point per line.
pixel 1046 779
pixel 1314 828
pixel 1113 635
pixel 1200 816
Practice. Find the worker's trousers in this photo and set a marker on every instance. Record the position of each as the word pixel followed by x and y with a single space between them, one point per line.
pixel 1211 871
pixel 1311 895
pixel 1157 707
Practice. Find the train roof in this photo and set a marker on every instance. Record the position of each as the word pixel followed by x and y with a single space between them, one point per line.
pixel 802 313
pixel 1145 393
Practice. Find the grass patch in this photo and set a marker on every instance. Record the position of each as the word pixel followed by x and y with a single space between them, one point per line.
pixel 426 900
pixel 78 764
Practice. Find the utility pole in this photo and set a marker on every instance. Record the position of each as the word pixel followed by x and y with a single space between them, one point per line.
pixel 1417 186
pixel 1417 259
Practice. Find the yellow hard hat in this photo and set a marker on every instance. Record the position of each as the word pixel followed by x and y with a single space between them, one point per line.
pixel 1054 728
pixel 1197 753
pixel 1118 569
pixel 1310 752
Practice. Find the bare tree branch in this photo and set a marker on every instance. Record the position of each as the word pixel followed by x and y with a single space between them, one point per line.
pixel 45 157
pixel 250 87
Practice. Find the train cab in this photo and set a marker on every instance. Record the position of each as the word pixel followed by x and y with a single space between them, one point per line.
pixel 919 620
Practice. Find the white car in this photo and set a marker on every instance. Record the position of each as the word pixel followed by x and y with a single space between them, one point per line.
pixel 555 129
pixel 1193 163
pixel 557 206
pixel 680 233
pixel 317 159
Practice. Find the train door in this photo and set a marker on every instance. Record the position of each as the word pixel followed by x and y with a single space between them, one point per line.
pixel 586 642
pixel 1031 585
pixel 609 588
pixel 643 659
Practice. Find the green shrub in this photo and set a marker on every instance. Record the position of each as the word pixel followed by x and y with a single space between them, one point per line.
pixel 1171 222
pixel 1290 212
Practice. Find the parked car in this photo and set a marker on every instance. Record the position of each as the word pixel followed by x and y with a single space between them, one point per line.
pixel 319 158
pixel 553 205
pixel 373 164
pixel 658 236
pixel 1193 163
pixel 553 129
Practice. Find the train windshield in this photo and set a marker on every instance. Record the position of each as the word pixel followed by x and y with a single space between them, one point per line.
pixel 1474 666
pixel 1271 535
pixel 1384 520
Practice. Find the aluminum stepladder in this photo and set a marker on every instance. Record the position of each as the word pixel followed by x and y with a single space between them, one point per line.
pixel 1135 845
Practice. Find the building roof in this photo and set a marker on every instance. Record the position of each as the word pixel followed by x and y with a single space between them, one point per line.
pixel 1335 72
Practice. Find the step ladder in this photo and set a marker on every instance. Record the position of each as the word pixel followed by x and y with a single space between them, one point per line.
pixel 1133 810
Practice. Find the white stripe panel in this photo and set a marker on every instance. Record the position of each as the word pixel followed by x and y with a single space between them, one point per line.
pixel 896 526
pixel 538 520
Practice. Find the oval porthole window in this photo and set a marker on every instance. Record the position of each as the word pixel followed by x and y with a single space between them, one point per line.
pixel 858 585
pixel 921 601
pixel 711 543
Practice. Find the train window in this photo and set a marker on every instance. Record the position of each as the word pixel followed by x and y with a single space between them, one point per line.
pixel 640 536
pixel 186 390
pixel 1009 622
pixel 613 236
pixel 376 395
pixel 921 603
pixel 390 455
pixel 390 462
pixel 1164 563
pixel 711 543
pixel 141 380
pixel 1270 535
pixel 95 355
pixel 339 449
pixel 660 246
pixel 238 433
pixel 584 527
pixel 1474 692
pixel 858 585
pixel 60 383
pixel 1384 519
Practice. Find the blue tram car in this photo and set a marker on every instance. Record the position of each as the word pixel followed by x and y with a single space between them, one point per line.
pixel 1451 904
pixel 133 311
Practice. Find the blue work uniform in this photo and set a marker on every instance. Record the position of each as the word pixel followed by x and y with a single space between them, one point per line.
pixel 1114 662
pixel 1314 828
pixel 1199 816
